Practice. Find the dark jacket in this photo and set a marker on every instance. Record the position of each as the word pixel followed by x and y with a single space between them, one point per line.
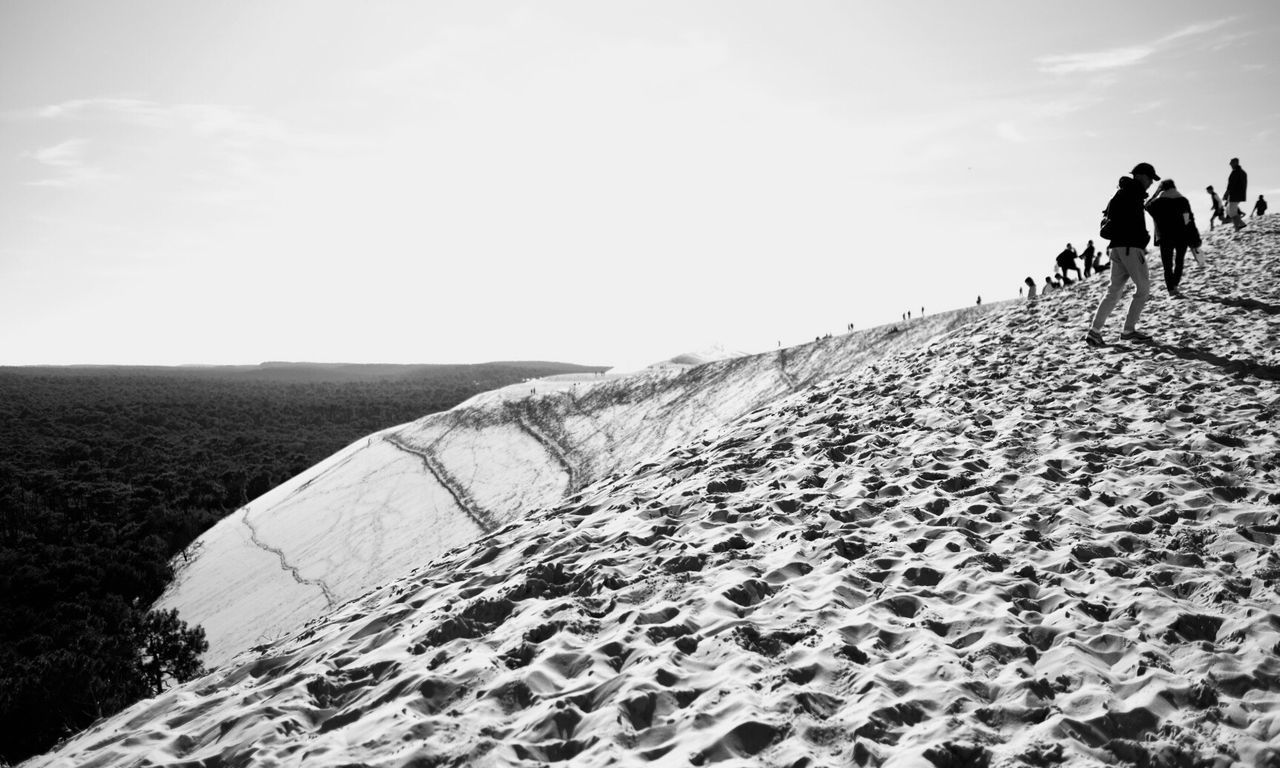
pixel 1171 226
pixel 1129 223
pixel 1237 185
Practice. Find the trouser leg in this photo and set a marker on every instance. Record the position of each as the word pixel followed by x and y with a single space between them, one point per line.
pixel 1118 277
pixel 1166 258
pixel 1233 213
pixel 1136 265
pixel 1179 259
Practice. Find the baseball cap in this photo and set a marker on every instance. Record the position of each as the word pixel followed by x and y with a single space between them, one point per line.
pixel 1146 170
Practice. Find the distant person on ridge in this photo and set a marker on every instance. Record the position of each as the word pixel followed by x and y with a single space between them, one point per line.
pixel 1049 286
pixel 1237 186
pixel 1216 212
pixel 1260 207
pixel 1087 256
pixel 1126 226
pixel 1098 266
pixel 1031 289
pixel 1171 213
pixel 1067 261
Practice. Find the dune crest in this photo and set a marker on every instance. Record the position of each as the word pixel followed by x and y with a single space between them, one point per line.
pixel 402 497
pixel 1002 548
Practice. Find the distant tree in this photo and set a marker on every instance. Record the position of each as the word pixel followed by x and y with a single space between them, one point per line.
pixel 168 650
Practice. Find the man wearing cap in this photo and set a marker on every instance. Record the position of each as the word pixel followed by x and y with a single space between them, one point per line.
pixel 1237 184
pixel 1128 252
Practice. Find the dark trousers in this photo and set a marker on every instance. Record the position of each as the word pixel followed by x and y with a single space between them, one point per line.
pixel 1064 266
pixel 1172 256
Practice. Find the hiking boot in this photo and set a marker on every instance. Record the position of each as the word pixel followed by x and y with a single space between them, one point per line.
pixel 1094 339
pixel 1135 335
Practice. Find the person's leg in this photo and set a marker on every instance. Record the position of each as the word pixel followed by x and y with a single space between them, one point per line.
pixel 1233 213
pixel 1179 259
pixel 1118 278
pixel 1136 265
pixel 1166 258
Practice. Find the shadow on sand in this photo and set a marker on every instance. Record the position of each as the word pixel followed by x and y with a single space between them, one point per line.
pixel 1231 365
pixel 1234 301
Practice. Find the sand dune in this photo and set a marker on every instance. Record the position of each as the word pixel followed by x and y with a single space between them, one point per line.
pixel 403 496
pixel 1002 548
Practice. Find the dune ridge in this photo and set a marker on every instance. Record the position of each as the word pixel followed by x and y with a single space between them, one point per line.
pixel 1001 548
pixel 405 495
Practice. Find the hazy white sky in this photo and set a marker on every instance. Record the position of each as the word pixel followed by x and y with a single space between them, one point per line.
pixel 595 181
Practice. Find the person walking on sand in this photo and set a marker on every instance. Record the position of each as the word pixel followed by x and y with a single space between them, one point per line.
pixel 1067 261
pixel 1216 211
pixel 1127 231
pixel 1260 207
pixel 1087 256
pixel 1237 193
pixel 1171 213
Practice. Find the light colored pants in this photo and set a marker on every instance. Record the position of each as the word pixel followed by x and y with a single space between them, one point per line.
pixel 1235 215
pixel 1126 264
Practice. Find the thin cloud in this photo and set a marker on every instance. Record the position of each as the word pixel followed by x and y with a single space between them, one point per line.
pixel 68 154
pixel 1094 61
pixel 1194 30
pixel 234 126
pixel 68 159
pixel 1126 56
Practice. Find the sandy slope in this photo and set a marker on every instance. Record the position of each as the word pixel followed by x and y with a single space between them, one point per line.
pixel 1003 549
pixel 402 497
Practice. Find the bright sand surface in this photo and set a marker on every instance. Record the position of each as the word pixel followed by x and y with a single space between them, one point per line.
pixel 402 497
pixel 1001 547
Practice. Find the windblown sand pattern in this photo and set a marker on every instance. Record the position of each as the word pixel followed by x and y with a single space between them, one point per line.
pixel 1003 549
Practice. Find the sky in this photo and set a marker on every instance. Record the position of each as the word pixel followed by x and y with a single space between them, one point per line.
pixel 595 182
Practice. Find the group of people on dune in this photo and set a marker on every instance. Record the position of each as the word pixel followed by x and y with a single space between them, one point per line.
pixel 1124 226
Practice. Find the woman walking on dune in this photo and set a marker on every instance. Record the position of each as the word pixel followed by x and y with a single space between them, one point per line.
pixel 1174 225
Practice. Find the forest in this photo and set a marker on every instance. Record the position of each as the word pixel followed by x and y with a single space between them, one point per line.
pixel 107 473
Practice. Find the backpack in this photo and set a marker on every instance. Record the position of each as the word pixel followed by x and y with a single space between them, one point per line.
pixel 1107 228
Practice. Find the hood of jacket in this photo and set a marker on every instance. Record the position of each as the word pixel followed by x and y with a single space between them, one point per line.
pixel 1131 186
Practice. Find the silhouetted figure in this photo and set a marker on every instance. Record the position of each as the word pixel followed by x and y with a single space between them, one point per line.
pixel 1067 261
pixel 1237 193
pixel 1087 257
pixel 1031 289
pixel 1260 207
pixel 1049 286
pixel 1216 212
pixel 980 298
pixel 1171 213
pixel 1127 249
pixel 1099 266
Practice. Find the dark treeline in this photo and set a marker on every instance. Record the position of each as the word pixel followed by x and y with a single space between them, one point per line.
pixel 107 473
